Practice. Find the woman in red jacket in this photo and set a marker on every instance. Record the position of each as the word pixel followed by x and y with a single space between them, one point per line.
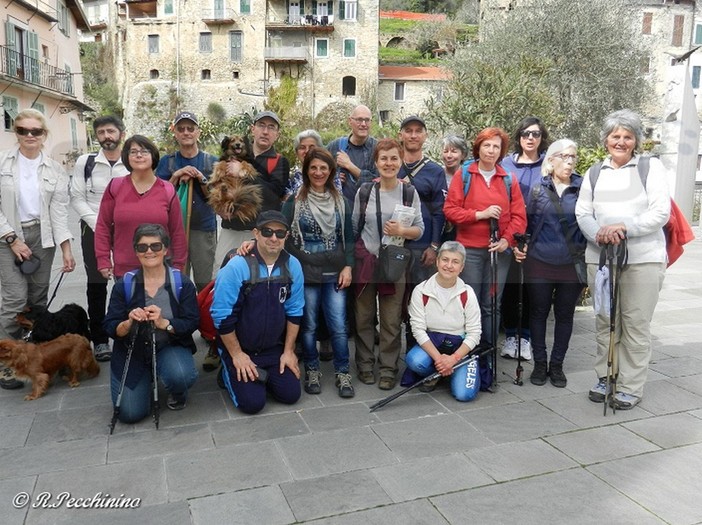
pixel 483 197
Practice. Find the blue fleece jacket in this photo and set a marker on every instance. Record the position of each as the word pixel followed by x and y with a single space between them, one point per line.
pixel 528 174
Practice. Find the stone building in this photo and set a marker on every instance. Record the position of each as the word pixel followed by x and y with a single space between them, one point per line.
pixel 40 68
pixel 173 54
pixel 404 90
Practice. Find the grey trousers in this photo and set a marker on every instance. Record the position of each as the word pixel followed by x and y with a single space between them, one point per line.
pixel 201 255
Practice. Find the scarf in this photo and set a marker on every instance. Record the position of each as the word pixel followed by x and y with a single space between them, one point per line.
pixel 323 208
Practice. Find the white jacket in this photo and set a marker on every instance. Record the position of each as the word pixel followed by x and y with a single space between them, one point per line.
pixel 451 318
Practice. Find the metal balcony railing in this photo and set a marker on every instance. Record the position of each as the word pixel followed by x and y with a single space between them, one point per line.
pixel 33 71
pixel 285 53
pixel 222 14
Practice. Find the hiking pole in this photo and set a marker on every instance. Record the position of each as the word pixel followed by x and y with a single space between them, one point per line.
pixel 494 237
pixel 470 356
pixel 522 240
pixel 123 381
pixel 619 253
pixel 155 408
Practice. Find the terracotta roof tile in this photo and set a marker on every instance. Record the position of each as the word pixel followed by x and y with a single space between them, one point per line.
pixel 412 73
pixel 408 15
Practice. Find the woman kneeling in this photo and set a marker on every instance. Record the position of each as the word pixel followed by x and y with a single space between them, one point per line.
pixel 445 319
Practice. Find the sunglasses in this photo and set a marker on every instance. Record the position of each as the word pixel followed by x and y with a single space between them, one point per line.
pixel 182 129
pixel 34 132
pixel 154 247
pixel 525 134
pixel 268 232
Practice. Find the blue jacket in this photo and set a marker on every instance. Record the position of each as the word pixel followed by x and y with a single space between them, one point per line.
pixel 547 242
pixel 528 174
pixel 362 157
pixel 430 184
pixel 258 316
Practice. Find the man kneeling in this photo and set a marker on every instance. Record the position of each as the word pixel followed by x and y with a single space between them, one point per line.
pixel 445 319
pixel 257 308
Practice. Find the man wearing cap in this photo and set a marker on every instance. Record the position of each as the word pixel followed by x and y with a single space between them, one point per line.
pixel 188 169
pixel 274 171
pixel 258 316
pixel 354 153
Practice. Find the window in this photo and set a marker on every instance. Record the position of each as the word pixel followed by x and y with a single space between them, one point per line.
pixel 647 21
pixel 245 7
pixel 153 44
pixel 168 7
pixel 45 52
pixel 64 23
pixel 39 107
pixel 678 23
pixel 696 76
pixel 384 116
pixel 349 47
pixel 348 9
pixel 10 106
pixel 645 65
pixel 321 48
pixel 74 133
pixel 399 91
pixel 205 42
pixel 348 86
pixel 206 74
pixel 235 43
pixel 698 34
pixel 154 74
pixel 235 75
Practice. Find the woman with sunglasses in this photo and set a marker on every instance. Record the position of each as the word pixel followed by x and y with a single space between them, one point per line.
pixel 33 220
pixel 322 239
pixel 154 303
pixel 138 198
pixel 530 141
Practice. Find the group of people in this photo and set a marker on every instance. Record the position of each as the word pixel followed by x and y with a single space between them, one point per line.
pixel 317 268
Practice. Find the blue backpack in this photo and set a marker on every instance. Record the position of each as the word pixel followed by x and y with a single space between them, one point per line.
pixel 467 176
pixel 130 283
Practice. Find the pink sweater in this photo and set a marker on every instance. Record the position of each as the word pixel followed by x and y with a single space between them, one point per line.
pixel 123 209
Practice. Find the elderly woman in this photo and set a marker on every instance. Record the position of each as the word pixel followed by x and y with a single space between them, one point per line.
pixel 321 238
pixel 155 301
pixel 376 213
pixel 454 152
pixel 530 141
pixel 33 220
pixel 621 207
pixel 487 210
pixel 303 142
pixel 445 319
pixel 555 242
pixel 138 198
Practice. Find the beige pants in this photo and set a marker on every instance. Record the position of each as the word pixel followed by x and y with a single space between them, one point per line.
pixel 639 287
pixel 228 239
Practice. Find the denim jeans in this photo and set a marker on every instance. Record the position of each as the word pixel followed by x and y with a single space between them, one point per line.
pixel 175 367
pixel 332 303
pixel 465 380
pixel 477 274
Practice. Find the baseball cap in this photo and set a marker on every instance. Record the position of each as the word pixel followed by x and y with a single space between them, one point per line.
pixel 413 118
pixel 185 115
pixel 271 216
pixel 268 114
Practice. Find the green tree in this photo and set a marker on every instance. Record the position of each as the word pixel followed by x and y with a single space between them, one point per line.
pixel 570 63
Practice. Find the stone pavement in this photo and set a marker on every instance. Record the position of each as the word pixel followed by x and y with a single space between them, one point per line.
pixel 522 455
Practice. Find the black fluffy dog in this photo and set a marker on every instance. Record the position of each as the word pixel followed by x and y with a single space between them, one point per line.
pixel 45 326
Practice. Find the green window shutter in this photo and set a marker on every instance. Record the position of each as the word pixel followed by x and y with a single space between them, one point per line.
pixel 33 45
pixel 302 7
pixel 11 49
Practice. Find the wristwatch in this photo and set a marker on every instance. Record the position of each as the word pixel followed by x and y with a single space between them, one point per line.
pixel 10 238
pixel 434 247
pixel 169 328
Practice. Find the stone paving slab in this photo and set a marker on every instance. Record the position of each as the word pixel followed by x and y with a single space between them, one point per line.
pixel 162 442
pixel 165 514
pixel 664 397
pixel 338 417
pixel 257 429
pixel 14 430
pixel 419 512
pixel 11 509
pixel 669 431
pixel 583 413
pixel 75 423
pixel 259 505
pixel 680 367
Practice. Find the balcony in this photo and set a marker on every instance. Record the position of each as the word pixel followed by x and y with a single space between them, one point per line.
pixel 43 9
pixel 286 54
pixel 34 72
pixel 218 17
pixel 308 23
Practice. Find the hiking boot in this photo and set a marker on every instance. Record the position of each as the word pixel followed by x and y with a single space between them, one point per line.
pixel 211 361
pixel 8 380
pixel 325 351
pixel 387 383
pixel 525 351
pixel 539 374
pixel 312 384
pixel 367 378
pixel 598 392
pixel 623 401
pixel 556 375
pixel 429 386
pixel 509 348
pixel 343 383
pixel 176 401
pixel 103 352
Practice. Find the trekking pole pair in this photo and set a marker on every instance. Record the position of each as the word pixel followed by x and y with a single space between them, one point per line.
pixel 522 241
pixel 616 259
pixel 494 237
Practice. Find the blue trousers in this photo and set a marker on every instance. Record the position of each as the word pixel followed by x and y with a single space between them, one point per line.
pixel 465 380
pixel 332 303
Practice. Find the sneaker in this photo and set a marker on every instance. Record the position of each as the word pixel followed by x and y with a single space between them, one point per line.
pixel 525 350
pixel 312 384
pixel 325 351
pixel 623 401
pixel 176 401
pixel 556 375
pixel 539 374
pixel 8 380
pixel 211 361
pixel 429 386
pixel 509 348
pixel 387 383
pixel 103 352
pixel 343 383
pixel 598 392
pixel 367 378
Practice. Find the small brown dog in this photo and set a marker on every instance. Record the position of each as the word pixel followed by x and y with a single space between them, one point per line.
pixel 235 196
pixel 39 362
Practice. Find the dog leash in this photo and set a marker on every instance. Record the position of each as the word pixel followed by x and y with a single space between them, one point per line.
pixel 53 295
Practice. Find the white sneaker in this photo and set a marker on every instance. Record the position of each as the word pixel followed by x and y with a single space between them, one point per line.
pixel 509 348
pixel 525 350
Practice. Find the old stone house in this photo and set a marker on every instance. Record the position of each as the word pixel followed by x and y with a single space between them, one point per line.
pixel 404 90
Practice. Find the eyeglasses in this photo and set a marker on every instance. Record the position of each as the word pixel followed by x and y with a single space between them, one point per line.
pixel 34 132
pixel 565 157
pixel 155 247
pixel 360 120
pixel 139 152
pixel 182 129
pixel 269 127
pixel 268 232
pixel 527 133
